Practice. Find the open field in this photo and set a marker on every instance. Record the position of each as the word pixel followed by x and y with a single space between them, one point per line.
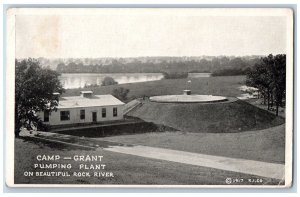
pixel 264 145
pixel 225 86
pixel 127 169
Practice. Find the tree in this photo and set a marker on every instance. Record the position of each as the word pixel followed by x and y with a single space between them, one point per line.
pixel 269 76
pixel 278 66
pixel 259 77
pixel 107 81
pixel 61 67
pixel 34 88
pixel 121 93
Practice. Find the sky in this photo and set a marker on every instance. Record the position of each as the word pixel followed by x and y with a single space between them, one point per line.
pixel 157 33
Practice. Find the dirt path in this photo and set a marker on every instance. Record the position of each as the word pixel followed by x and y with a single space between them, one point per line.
pixel 264 169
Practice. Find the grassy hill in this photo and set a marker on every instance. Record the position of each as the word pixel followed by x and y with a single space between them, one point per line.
pixel 224 117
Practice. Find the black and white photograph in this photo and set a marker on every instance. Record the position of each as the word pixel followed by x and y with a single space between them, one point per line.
pixel 149 97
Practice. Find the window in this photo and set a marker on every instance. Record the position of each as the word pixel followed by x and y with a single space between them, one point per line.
pixel 82 114
pixel 64 115
pixel 115 111
pixel 46 116
pixel 103 112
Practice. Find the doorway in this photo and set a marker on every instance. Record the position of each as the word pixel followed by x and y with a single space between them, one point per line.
pixel 94 116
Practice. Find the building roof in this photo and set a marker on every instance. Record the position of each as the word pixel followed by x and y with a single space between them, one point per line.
pixel 94 101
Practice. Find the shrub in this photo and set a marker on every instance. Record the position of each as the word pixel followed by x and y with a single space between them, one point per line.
pixel 108 81
pixel 175 75
pixel 121 93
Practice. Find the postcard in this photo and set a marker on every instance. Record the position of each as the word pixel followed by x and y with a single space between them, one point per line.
pixel 149 97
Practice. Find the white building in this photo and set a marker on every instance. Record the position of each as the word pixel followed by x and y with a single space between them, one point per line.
pixel 86 108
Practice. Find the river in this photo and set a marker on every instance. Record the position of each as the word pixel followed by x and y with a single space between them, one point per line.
pixel 79 80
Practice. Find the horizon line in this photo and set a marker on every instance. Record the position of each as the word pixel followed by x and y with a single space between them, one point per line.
pixel 128 57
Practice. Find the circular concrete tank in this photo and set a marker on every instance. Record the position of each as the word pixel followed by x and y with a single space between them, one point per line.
pixel 194 98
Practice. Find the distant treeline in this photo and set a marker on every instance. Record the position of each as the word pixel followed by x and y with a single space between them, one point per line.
pixel 218 66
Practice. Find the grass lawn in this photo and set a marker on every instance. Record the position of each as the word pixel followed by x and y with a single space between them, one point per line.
pixel 226 86
pixel 126 169
pixel 264 145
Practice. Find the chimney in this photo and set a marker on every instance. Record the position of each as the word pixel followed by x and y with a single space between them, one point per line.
pixel 86 94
